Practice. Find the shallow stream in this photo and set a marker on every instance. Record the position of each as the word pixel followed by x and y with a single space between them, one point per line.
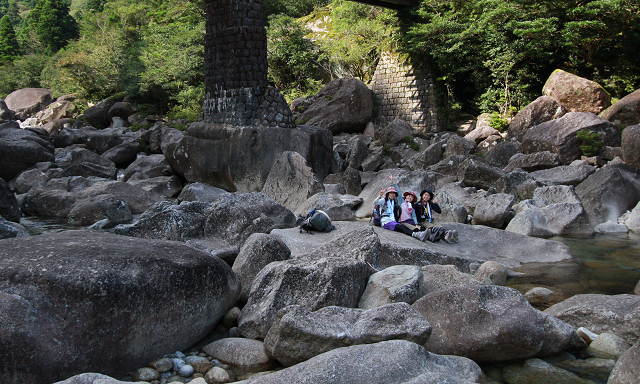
pixel 608 264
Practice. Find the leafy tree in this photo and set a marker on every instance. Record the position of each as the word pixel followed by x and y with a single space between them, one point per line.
pixel 292 8
pixel 13 12
pixel 23 72
pixel 9 48
pixel 293 60
pixel 55 26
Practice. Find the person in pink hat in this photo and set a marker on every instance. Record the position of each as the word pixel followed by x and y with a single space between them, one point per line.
pixel 391 213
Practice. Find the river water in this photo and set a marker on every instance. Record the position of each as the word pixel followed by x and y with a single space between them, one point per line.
pixel 608 264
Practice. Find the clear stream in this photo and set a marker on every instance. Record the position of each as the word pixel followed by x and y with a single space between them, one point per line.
pixel 607 264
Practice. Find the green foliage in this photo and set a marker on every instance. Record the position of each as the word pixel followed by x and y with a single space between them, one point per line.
pixel 144 145
pixel 498 122
pixel 291 8
pixel 592 142
pixel 9 48
pixel 293 61
pixel 411 143
pixel 491 55
pixel 53 25
pixel 23 72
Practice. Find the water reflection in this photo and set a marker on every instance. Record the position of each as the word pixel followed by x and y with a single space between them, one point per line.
pixel 607 264
pixel 37 225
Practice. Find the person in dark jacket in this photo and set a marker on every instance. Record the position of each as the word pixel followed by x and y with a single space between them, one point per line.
pixel 425 209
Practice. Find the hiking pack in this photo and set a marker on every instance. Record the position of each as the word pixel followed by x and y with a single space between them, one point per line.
pixel 375 216
pixel 317 220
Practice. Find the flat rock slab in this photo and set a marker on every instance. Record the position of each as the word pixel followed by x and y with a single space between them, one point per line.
pixel 477 244
pixel 84 301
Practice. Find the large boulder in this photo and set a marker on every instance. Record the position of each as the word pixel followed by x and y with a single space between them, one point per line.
pixel 76 161
pixel 93 378
pixel 338 207
pixel 224 223
pixel 474 173
pixel 200 192
pixel 98 115
pixel 452 209
pixel 123 154
pixel 630 143
pixel 563 209
pixel 55 111
pixel 256 253
pixel 5 113
pixel 163 186
pixel 378 364
pixel 458 146
pixel 298 335
pixel 21 149
pixel 560 135
pixel 536 371
pixel 617 314
pixel 493 210
pixel 145 167
pixel 542 109
pixel 311 284
pixel 291 182
pixel 343 105
pixel 427 157
pixel 243 355
pixel 489 323
pixel 565 174
pixel 241 158
pixel 396 284
pixel 627 369
pixel 96 208
pixel 438 277
pixel 625 112
pixel 10 229
pixel 477 245
pixel 576 93
pixel 609 192
pixel 532 162
pixel 99 140
pixel 358 151
pixel 9 208
pixel 499 155
pixel 52 202
pixel 349 178
pixel 27 101
pixel 396 132
pixel 81 301
pixel 137 199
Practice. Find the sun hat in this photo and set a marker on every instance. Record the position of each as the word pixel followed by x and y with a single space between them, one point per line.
pixel 404 195
pixel 426 191
pixel 389 190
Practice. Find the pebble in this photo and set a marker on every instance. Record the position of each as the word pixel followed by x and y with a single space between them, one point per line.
pixel 162 365
pixel 145 374
pixel 186 370
pixel 177 363
pixel 538 295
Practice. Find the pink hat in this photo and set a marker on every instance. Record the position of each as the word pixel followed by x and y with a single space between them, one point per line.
pixel 404 195
pixel 391 189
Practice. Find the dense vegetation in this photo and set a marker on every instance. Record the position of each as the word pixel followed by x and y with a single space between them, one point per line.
pixel 488 55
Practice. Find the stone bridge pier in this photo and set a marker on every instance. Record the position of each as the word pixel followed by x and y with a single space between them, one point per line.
pixel 236 88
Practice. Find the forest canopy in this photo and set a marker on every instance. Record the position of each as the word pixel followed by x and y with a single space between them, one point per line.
pixel 487 55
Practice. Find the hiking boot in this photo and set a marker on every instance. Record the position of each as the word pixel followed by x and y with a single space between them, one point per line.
pixel 455 235
pixel 433 234
pixel 439 234
pixel 422 235
pixel 448 236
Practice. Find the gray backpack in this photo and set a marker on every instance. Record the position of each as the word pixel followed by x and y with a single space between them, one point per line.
pixel 317 220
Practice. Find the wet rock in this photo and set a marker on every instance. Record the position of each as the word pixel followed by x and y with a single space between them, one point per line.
pixel 399 283
pixel 338 207
pixel 243 355
pixel 112 288
pixel 538 295
pixel 542 109
pixel 610 227
pixel 617 314
pixel 218 375
pixel 310 284
pixel 596 370
pixel 577 94
pixel 343 105
pixel 493 210
pixel 298 335
pixel 256 253
pixel 10 229
pixel 560 136
pixel 360 364
pixel 627 369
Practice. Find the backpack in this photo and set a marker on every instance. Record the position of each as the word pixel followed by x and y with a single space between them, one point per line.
pixel 375 216
pixel 317 220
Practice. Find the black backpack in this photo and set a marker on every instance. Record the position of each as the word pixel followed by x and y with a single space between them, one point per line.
pixel 317 220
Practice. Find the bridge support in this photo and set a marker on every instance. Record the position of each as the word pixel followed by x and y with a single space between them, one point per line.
pixel 236 88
